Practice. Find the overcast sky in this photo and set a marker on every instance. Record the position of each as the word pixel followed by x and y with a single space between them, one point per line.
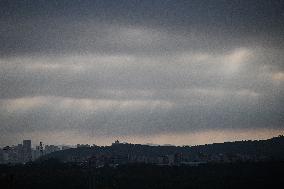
pixel 175 72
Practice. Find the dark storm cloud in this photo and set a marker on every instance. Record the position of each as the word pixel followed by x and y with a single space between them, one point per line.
pixel 140 67
pixel 60 26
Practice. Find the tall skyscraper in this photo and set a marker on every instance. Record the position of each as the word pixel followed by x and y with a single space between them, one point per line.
pixel 27 150
pixel 41 148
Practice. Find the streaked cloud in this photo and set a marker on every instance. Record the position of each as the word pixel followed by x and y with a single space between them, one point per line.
pixel 140 71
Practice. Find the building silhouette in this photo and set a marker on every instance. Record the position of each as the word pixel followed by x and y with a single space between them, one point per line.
pixel 27 150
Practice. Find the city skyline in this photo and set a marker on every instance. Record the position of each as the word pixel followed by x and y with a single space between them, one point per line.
pixel 162 72
pixel 119 153
pixel 195 139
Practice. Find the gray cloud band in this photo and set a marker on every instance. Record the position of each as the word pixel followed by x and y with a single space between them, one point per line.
pixel 157 75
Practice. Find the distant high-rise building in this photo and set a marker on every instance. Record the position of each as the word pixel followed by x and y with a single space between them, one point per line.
pixel 6 154
pixel 27 150
pixel 20 152
pixel 41 148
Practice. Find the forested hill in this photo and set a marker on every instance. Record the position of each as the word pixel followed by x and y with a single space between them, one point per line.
pixel 271 149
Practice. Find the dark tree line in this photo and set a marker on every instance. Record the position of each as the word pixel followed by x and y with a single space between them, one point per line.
pixel 52 174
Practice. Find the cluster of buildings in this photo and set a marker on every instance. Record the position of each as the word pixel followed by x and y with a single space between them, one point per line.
pixel 123 153
pixel 101 160
pixel 119 157
pixel 177 159
pixel 23 153
pixel 19 153
pixel 232 158
pixel 171 159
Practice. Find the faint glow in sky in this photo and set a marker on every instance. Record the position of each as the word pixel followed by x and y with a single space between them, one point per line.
pixel 194 138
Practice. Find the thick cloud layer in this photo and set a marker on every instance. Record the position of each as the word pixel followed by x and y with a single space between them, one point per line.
pixel 140 69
